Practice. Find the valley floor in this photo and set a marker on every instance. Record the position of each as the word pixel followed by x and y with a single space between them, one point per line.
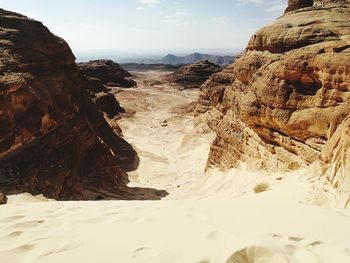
pixel 205 216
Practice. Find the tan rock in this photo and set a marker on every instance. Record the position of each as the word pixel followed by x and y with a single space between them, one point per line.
pixel 336 155
pixel 280 102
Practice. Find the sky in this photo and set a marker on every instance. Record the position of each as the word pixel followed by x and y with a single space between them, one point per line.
pixel 151 27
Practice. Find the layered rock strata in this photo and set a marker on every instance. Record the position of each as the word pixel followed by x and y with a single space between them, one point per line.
pixel 53 140
pixel 287 99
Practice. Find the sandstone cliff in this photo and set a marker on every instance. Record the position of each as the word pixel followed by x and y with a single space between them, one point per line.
pixel 287 98
pixel 53 140
pixel 193 75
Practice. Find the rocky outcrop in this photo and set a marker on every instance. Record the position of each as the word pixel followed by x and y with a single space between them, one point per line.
pixel 106 72
pixel 298 4
pixel 108 104
pixel 3 199
pixel 280 104
pixel 194 75
pixel 100 76
pixel 53 140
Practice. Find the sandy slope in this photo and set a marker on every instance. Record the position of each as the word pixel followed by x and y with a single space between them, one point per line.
pixel 204 218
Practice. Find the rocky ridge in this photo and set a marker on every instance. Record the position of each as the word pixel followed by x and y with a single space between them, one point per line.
pixel 194 58
pixel 193 75
pixel 53 140
pixel 107 73
pixel 285 103
pixel 102 76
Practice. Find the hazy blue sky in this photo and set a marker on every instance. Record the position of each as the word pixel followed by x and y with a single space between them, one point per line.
pixel 151 26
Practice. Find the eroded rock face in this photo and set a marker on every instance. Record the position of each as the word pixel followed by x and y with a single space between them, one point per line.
pixel 298 4
pixel 107 72
pixel 336 155
pixel 193 75
pixel 281 102
pixel 53 140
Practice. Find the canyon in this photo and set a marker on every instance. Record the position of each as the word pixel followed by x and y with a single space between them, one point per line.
pixel 174 156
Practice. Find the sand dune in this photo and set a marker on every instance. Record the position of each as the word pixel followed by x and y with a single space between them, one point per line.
pixel 210 217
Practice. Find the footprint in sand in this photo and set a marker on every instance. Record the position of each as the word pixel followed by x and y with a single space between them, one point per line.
pixel 214 235
pixel 11 219
pixel 27 224
pixel 60 249
pixel 200 217
pixel 293 241
pixel 144 253
pixel 15 234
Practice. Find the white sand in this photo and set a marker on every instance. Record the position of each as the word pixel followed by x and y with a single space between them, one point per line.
pixel 205 217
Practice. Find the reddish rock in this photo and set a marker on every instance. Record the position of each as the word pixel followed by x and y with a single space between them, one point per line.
pixel 3 199
pixel 107 103
pixel 53 140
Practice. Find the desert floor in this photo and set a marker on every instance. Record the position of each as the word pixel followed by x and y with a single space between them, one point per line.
pixel 204 217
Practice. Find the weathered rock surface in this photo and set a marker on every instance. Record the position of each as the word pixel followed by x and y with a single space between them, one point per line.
pixel 3 199
pixel 193 75
pixel 53 140
pixel 283 100
pixel 107 72
pixel 336 155
pixel 297 4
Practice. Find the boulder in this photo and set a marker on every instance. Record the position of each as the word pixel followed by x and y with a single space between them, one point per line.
pixel 3 199
pixel 107 103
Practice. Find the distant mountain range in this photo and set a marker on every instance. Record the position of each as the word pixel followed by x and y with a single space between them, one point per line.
pixel 195 57
pixel 181 60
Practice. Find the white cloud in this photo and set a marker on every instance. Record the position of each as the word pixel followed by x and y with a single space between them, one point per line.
pixel 149 3
pixel 222 19
pixel 179 14
pixel 245 2
pixel 177 18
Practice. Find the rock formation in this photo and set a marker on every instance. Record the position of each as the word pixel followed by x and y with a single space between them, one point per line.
pixel 101 75
pixel 108 104
pixel 193 75
pixel 286 100
pixel 107 72
pixel 298 4
pixel 3 199
pixel 53 140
